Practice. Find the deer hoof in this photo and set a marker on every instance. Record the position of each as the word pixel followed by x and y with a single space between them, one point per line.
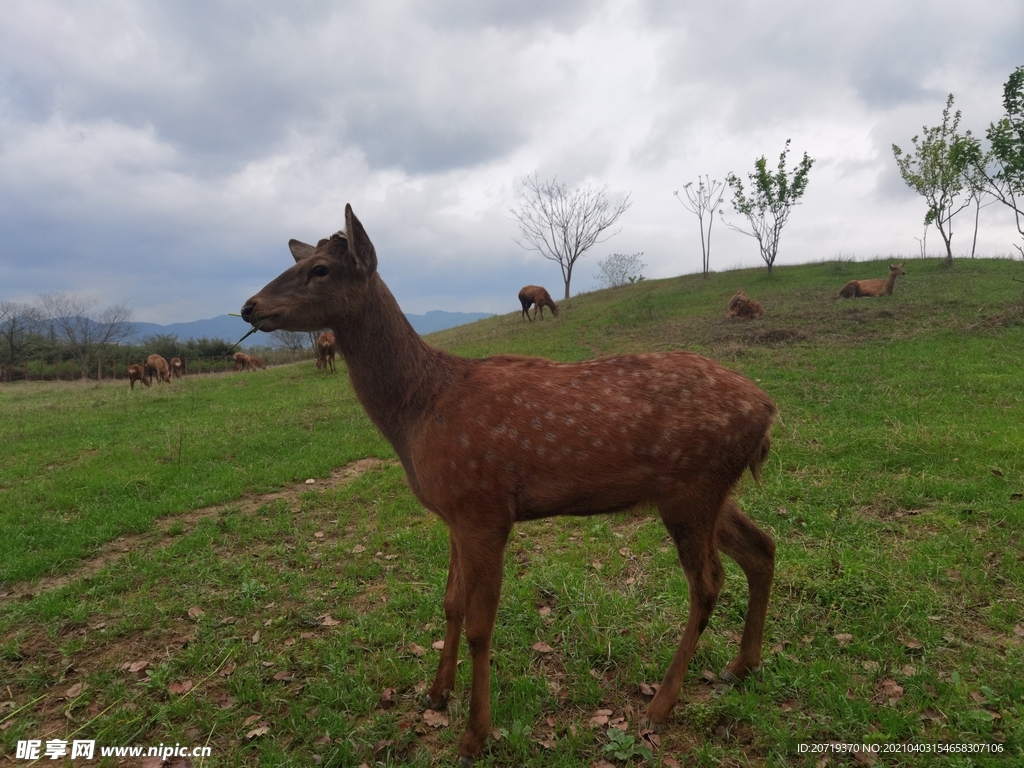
pixel 648 725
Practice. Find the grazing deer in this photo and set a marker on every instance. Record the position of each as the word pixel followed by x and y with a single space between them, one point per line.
pixel 137 373
pixel 855 289
pixel 325 351
pixel 741 305
pixel 534 294
pixel 489 442
pixel 176 367
pixel 241 361
pixel 157 365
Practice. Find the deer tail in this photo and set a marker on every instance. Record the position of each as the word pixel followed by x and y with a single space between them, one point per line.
pixel 760 457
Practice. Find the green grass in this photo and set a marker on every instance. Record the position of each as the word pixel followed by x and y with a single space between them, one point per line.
pixel 895 493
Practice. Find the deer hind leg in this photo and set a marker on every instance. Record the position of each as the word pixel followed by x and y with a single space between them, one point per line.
pixel 692 527
pixel 754 552
pixel 454 613
pixel 481 558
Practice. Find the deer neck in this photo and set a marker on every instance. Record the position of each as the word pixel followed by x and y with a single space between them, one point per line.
pixel 890 284
pixel 395 374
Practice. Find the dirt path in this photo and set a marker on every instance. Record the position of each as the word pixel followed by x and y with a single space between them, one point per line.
pixel 118 548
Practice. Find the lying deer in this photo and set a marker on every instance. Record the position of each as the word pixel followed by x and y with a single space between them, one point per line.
pixel 137 373
pixel 489 442
pixel 325 351
pixel 157 365
pixel 855 289
pixel 534 294
pixel 741 305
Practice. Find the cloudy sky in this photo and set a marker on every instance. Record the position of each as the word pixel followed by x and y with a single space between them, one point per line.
pixel 164 153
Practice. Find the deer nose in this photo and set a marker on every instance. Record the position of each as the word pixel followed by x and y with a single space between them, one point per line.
pixel 247 312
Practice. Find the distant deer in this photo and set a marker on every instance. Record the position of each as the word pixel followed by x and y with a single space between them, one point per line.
pixel 534 294
pixel 176 367
pixel 246 362
pixel 137 373
pixel 489 442
pixel 156 365
pixel 855 289
pixel 740 305
pixel 325 351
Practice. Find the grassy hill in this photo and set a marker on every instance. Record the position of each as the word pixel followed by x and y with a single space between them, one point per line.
pixel 177 526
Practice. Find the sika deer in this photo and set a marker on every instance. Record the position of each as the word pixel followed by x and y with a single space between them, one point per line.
pixel 856 289
pixel 137 373
pixel 176 367
pixel 534 294
pixel 325 351
pixel 741 305
pixel 489 442
pixel 157 365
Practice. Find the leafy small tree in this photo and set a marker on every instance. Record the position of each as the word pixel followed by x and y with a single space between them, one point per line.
pixel 770 202
pixel 561 224
pixel 936 170
pixel 619 269
pixel 1004 163
pixel 704 200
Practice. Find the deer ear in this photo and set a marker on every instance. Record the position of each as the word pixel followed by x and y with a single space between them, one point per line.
pixel 359 246
pixel 300 250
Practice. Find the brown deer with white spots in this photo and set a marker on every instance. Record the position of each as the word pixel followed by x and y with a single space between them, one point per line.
pixel 856 289
pixel 489 442
pixel 325 351
pixel 137 373
pixel 157 366
pixel 531 295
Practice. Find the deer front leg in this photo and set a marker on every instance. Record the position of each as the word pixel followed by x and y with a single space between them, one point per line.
pixel 481 559
pixel 454 611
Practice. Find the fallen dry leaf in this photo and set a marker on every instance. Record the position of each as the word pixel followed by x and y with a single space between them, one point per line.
pixel 932 715
pixel 195 612
pixel 602 763
pixel 286 677
pixel 319 535
pixel 416 650
pixel 1019 630
pixel 328 621
pixel 438 645
pixel 387 698
pixel 544 610
pixel 135 666
pixel 75 690
pixel 224 701
pixel 844 638
pixel 227 671
pixel 542 647
pixel 648 690
pixel 179 688
pixel 260 730
pixel 953 574
pixel 358 549
pixel 888 692
pixel 789 705
pixel 600 718
pixel 256 637
pixel 435 719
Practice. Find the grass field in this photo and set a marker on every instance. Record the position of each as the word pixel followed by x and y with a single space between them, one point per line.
pixel 169 574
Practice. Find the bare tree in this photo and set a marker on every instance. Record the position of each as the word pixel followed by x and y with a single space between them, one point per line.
pixel 18 325
pixel 86 333
pixel 705 199
pixel 295 341
pixel 561 224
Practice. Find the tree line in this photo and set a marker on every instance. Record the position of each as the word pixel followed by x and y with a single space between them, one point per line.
pixel 63 328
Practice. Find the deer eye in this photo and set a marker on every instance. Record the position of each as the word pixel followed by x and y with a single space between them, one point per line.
pixel 319 271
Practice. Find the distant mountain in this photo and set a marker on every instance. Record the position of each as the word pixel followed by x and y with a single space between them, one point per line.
pixel 233 328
